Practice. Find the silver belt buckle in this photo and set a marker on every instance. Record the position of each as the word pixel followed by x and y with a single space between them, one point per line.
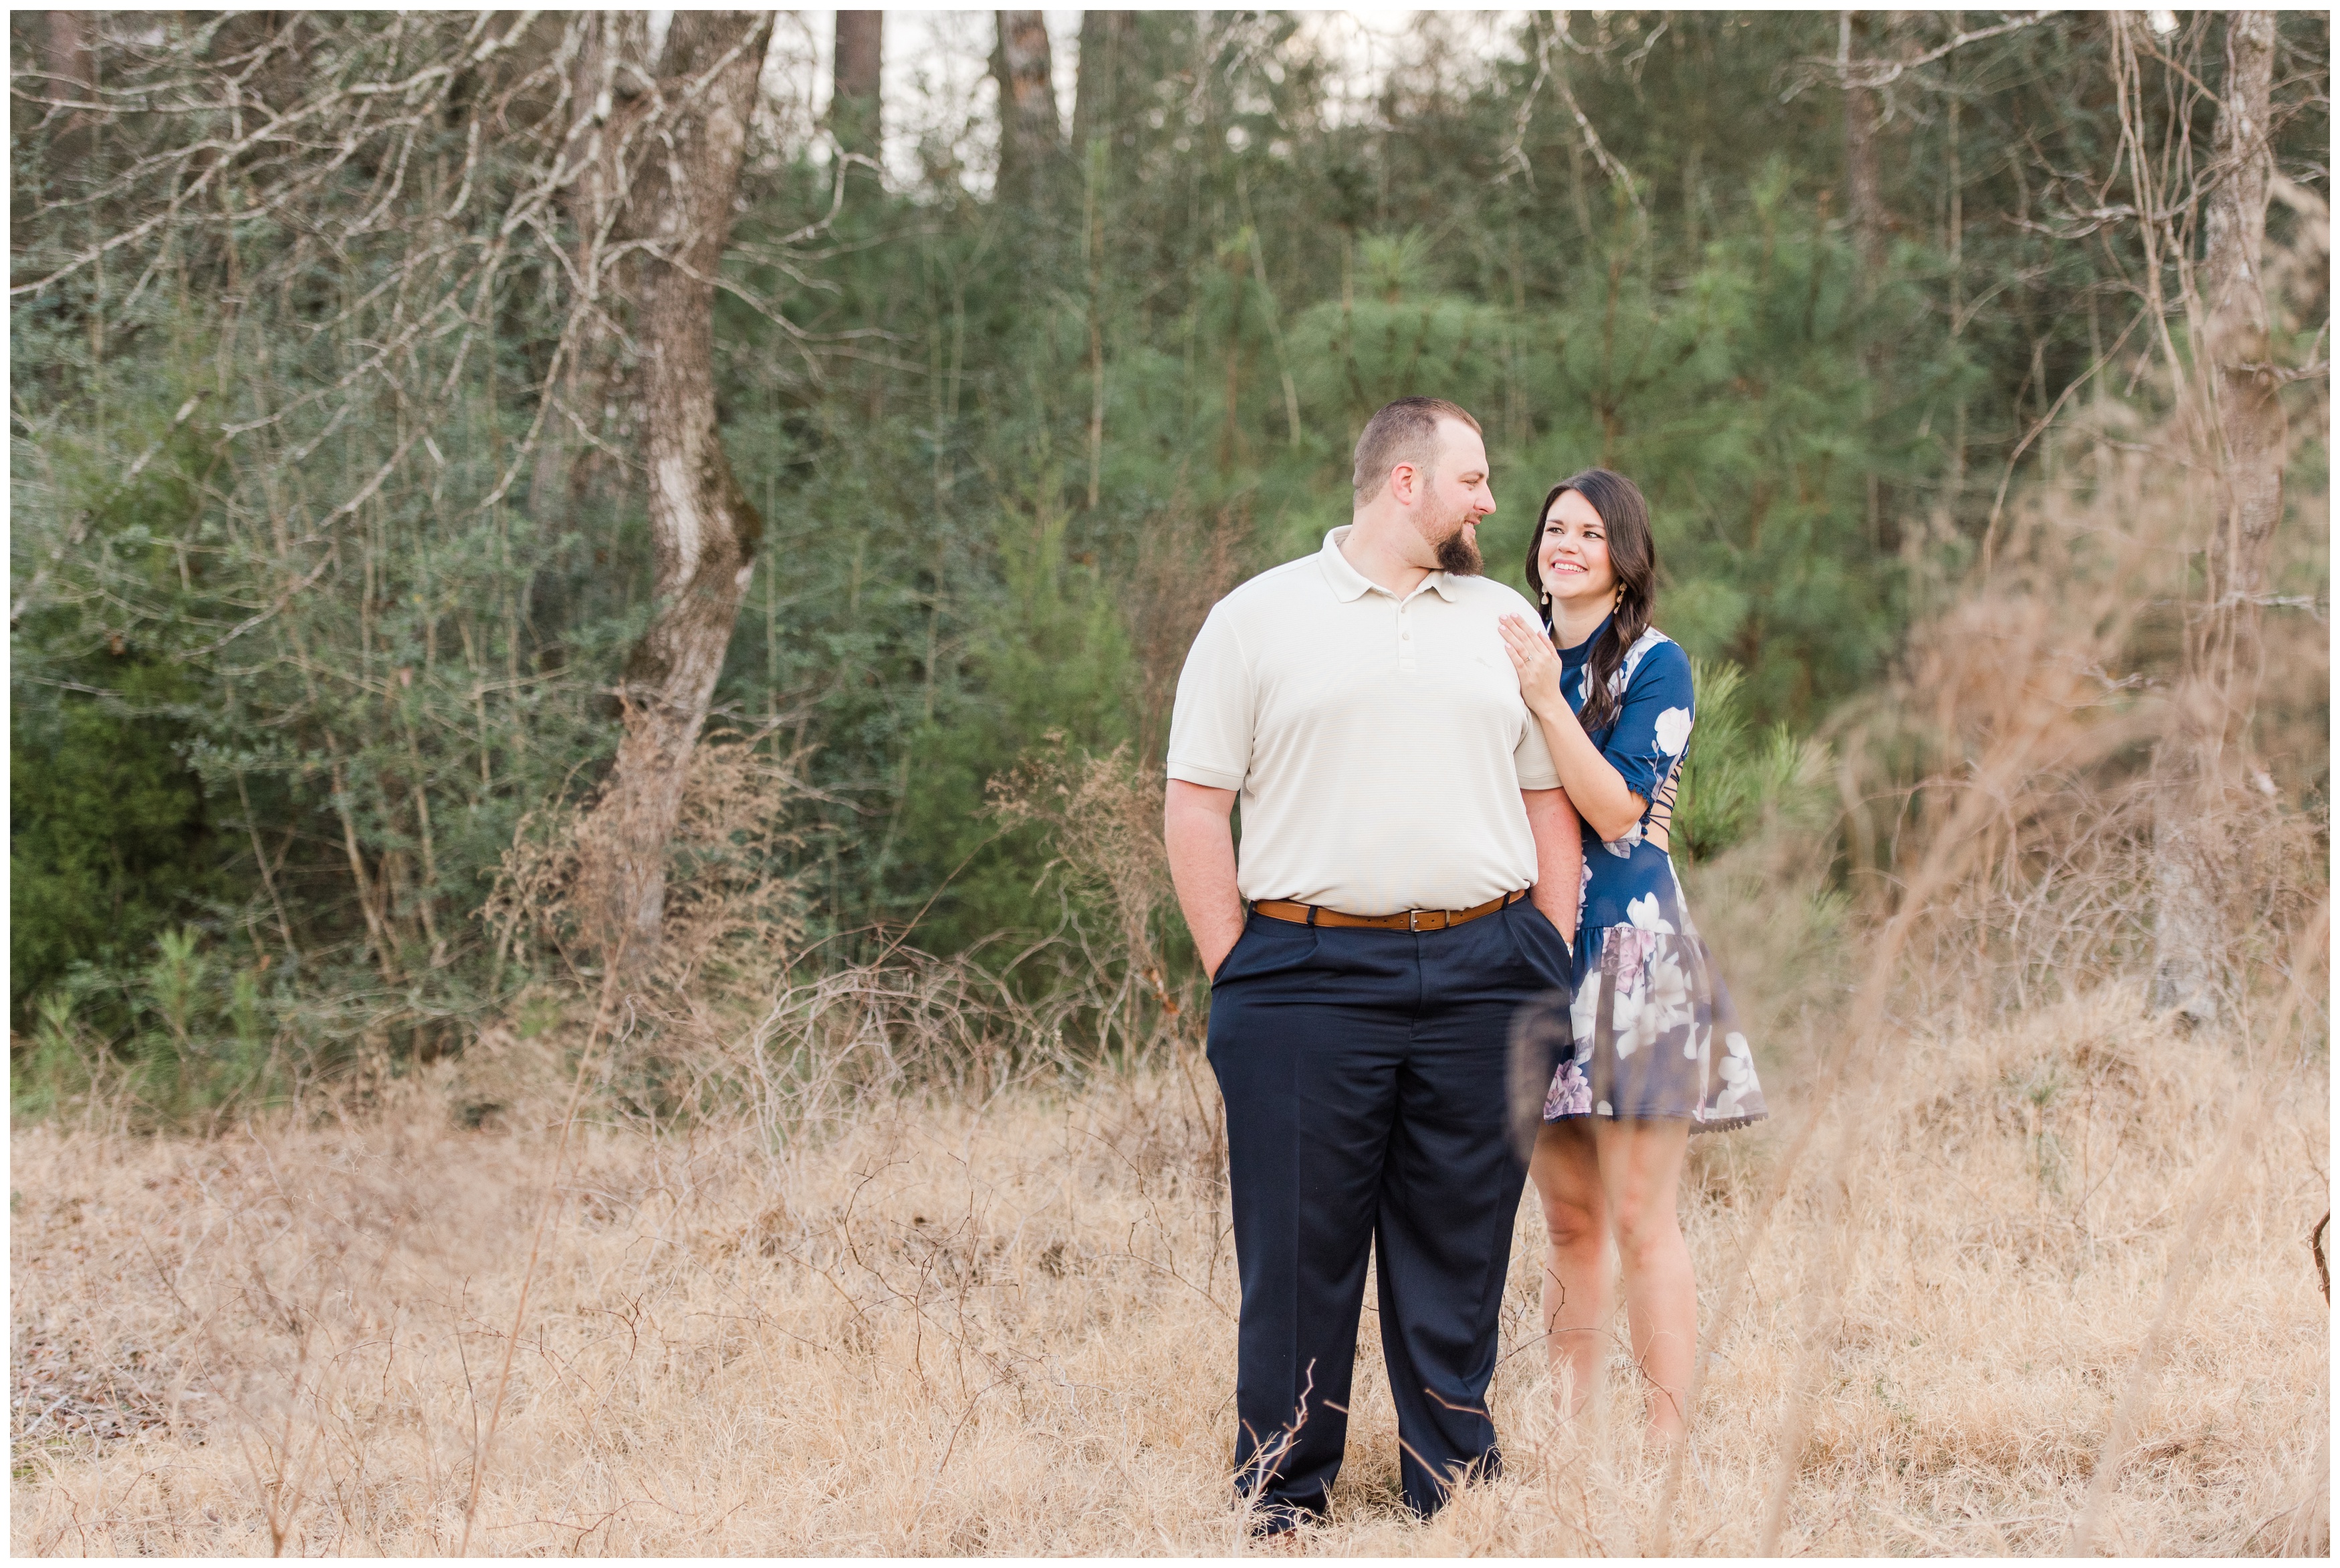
pixel 1414 919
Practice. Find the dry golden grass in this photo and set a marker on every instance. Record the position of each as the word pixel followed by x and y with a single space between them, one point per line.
pixel 1010 1328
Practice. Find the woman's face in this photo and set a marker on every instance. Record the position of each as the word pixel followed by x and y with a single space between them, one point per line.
pixel 1573 556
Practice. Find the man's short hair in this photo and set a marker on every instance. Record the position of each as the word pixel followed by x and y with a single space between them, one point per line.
pixel 1406 431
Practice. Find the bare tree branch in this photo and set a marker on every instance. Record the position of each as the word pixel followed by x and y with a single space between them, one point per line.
pixel 1872 73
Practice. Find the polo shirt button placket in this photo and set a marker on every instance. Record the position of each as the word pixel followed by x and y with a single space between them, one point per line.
pixel 1405 641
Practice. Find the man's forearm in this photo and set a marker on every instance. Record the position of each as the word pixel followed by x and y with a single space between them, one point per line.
pixel 1560 857
pixel 1201 846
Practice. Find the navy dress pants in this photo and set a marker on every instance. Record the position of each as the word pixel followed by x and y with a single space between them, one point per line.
pixel 1364 1076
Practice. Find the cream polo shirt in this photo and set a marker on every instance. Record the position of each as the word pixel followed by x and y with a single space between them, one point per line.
pixel 1380 745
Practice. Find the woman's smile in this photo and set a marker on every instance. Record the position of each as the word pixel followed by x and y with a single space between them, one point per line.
pixel 1573 559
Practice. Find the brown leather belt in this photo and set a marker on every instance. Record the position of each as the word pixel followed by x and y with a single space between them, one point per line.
pixel 1405 920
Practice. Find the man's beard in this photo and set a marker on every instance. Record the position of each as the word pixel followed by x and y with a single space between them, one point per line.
pixel 1459 555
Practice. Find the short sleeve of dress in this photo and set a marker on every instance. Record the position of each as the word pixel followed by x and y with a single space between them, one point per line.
pixel 1652 728
pixel 1211 720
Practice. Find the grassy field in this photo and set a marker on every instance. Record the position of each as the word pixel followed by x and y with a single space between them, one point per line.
pixel 1010 1328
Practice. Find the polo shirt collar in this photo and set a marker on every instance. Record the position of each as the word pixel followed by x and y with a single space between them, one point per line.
pixel 1350 585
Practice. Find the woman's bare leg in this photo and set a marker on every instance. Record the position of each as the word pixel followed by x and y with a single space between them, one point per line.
pixel 1576 1301
pixel 1641 1166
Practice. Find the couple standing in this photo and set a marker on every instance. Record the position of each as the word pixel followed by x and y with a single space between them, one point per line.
pixel 1436 781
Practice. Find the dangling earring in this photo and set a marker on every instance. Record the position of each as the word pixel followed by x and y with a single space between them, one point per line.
pixel 1547 596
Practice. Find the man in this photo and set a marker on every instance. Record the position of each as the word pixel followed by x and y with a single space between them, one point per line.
pixel 1409 864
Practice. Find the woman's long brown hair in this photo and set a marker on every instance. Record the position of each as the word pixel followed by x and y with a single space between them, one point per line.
pixel 1632 556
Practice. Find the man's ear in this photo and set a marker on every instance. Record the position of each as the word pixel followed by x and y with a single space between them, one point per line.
pixel 1404 482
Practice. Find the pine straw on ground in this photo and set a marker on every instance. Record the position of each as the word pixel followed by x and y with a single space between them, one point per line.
pixel 1012 1330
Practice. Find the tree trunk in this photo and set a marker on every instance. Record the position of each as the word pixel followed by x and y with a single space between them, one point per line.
pixel 1864 206
pixel 704 530
pixel 65 54
pixel 1863 191
pixel 608 75
pixel 1097 94
pixel 2223 648
pixel 1031 138
pixel 2251 423
pixel 71 66
pixel 853 100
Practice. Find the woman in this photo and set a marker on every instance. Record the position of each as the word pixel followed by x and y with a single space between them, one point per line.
pixel 1657 1052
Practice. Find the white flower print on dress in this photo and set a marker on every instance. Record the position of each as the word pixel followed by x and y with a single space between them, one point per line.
pixel 1643 913
pixel 1670 1000
pixel 1737 1070
pixel 1649 639
pixel 1638 1028
pixel 1627 969
pixel 1674 731
pixel 1584 1009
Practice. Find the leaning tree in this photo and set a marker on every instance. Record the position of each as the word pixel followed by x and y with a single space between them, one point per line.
pixel 352 245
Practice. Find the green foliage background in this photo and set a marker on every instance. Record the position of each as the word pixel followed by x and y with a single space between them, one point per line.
pixel 953 573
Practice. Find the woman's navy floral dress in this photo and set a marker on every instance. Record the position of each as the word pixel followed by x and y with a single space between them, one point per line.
pixel 1654 1035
